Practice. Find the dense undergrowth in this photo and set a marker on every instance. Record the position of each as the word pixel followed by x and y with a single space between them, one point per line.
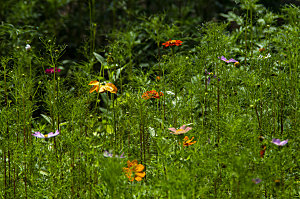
pixel 234 110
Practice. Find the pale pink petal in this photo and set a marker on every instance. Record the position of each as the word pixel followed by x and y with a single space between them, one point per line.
pixel 182 127
pixel 38 135
pixel 172 129
pixel 187 129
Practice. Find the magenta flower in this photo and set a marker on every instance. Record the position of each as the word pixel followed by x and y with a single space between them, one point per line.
pixel 110 155
pixel 278 143
pixel 49 135
pixel 181 130
pixel 256 180
pixel 226 60
pixel 51 70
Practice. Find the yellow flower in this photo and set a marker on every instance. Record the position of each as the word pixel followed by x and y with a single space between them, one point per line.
pixel 110 87
pixel 100 88
pixel 187 142
pixel 134 171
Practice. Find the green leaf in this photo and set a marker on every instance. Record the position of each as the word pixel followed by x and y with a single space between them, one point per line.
pixel 48 119
pixel 99 58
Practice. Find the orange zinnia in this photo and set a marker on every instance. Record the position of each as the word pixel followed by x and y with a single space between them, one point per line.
pixel 134 171
pixel 172 43
pixel 100 88
pixel 187 142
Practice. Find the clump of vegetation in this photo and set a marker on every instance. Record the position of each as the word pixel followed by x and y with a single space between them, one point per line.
pixel 162 107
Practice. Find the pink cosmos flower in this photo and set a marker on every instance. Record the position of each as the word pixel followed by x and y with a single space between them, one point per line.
pixel 49 135
pixel 51 70
pixel 181 130
pixel 226 60
pixel 278 143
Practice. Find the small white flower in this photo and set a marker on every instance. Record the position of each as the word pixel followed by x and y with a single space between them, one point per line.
pixel 27 47
pixel 268 55
pixel 265 57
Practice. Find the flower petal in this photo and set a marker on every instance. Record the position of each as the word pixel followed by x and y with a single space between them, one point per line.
pixel 187 129
pixel 38 135
pixel 94 83
pixel 182 127
pixel 94 88
pixel 141 174
pixel 102 89
pixel 111 87
pixel 172 129
pixel 284 142
pixel 232 60
pixel 139 168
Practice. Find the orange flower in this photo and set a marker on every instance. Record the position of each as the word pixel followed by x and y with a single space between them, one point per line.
pixel 134 171
pixel 100 88
pixel 152 94
pixel 110 87
pixel 187 142
pixel 172 43
pixel 261 49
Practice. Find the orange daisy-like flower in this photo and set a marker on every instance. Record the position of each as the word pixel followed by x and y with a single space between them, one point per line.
pixel 134 171
pixel 100 88
pixel 172 43
pixel 152 94
pixel 187 142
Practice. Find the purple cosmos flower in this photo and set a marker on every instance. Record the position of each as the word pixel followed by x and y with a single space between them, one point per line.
pixel 256 180
pixel 110 155
pixel 208 81
pixel 226 60
pixel 278 143
pixel 51 70
pixel 49 135
pixel 181 130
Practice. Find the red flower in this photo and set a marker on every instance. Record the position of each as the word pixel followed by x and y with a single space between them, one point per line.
pixel 262 152
pixel 152 94
pixel 172 43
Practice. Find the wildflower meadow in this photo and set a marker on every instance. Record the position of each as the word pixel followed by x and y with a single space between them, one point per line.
pixel 149 99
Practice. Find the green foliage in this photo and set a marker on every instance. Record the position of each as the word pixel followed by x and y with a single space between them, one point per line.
pixel 228 105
